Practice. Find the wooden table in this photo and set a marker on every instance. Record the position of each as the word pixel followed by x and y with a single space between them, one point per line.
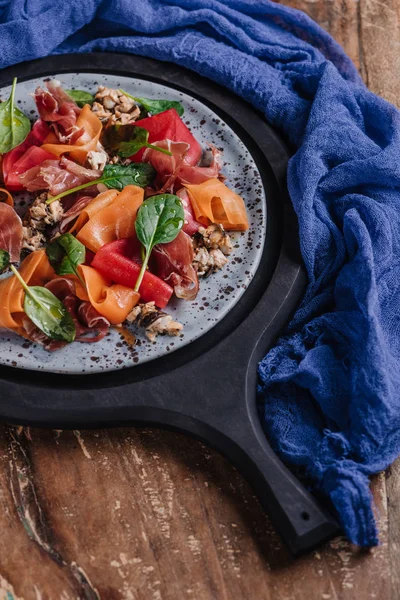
pixel 137 514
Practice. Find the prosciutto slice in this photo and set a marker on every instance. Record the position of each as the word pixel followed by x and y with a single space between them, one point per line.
pixel 78 147
pixel 167 167
pixel 89 316
pixel 195 175
pixel 59 110
pixel 173 264
pixel 73 213
pixel 172 171
pixel 191 226
pixel 10 232
pixel 33 334
pixel 57 176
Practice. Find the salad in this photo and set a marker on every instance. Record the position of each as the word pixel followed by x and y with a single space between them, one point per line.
pixel 126 211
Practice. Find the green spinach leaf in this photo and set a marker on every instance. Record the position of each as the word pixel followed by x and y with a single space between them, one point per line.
pixel 47 312
pixel 159 221
pixel 65 254
pixel 14 125
pixel 155 107
pixel 116 177
pixel 4 260
pixel 127 140
pixel 80 97
pixel 139 140
pixel 113 135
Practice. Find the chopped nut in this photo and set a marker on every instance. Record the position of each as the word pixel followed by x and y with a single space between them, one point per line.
pixel 40 216
pixel 211 245
pixel 108 103
pixel 154 321
pixel 125 104
pixel 113 107
pixel 32 239
pixel 118 160
pixel 135 312
pixel 38 212
pixel 104 92
pixel 214 236
pixel 208 261
pixel 97 158
pixel 100 111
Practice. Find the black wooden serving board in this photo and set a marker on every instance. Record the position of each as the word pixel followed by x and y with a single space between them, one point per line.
pixel 206 389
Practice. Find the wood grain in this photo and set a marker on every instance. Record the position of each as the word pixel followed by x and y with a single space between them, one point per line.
pixel 136 514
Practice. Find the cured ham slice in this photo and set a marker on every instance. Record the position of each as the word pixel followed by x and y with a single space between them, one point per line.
pixel 33 334
pixel 57 176
pixel 93 319
pixel 167 167
pixel 199 174
pixel 174 265
pixel 10 231
pixel 175 170
pixel 191 225
pixel 35 270
pixel 114 302
pixel 57 108
pixel 61 287
pixel 110 221
pixel 14 163
pixel 214 202
pixel 73 213
pixel 88 141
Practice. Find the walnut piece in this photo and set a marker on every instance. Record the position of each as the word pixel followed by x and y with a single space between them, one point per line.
pixel 98 158
pixel 211 246
pixel 113 107
pixel 38 217
pixel 155 322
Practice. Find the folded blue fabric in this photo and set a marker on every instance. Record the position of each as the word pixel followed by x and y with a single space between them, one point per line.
pixel 330 388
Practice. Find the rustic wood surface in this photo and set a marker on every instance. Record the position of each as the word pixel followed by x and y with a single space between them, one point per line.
pixel 139 514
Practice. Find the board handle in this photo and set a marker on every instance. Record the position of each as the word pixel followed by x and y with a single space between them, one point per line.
pixel 298 517
pixel 296 514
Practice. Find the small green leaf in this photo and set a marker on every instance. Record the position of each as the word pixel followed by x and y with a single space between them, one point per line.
pixel 119 176
pixel 80 97
pixel 113 135
pixel 155 107
pixel 65 254
pixel 139 139
pixel 4 260
pixel 127 140
pixel 47 312
pixel 116 177
pixel 159 221
pixel 14 125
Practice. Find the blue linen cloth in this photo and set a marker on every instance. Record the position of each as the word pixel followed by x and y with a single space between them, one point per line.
pixel 329 390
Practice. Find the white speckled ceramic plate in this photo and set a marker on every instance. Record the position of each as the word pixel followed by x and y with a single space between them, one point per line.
pixel 218 293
